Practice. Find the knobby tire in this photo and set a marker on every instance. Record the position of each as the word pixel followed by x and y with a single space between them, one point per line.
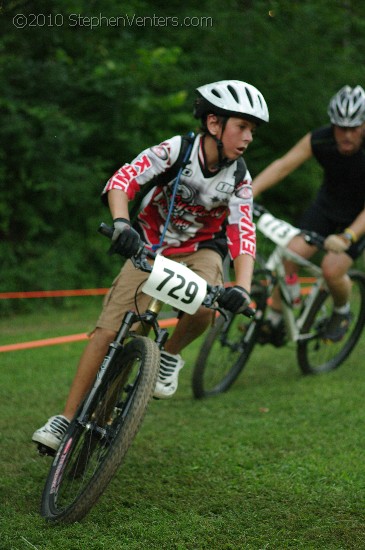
pixel 227 348
pixel 92 451
pixel 316 354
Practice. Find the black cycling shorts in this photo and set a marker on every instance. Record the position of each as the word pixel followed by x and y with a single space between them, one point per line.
pixel 315 219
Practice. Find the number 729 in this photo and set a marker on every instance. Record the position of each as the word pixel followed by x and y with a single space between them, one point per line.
pixel 184 290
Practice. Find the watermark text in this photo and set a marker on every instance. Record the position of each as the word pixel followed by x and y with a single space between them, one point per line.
pixel 77 20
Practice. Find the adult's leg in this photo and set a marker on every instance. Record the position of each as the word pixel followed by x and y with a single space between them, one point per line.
pixel 299 246
pixel 335 268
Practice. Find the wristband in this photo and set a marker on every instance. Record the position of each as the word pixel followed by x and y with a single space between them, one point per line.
pixel 350 235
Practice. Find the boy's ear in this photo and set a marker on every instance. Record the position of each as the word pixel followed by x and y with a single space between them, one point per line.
pixel 213 124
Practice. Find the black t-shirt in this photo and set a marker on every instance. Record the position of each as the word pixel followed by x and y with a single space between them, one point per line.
pixel 342 193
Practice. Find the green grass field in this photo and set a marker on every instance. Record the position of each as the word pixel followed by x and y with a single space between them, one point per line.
pixel 275 463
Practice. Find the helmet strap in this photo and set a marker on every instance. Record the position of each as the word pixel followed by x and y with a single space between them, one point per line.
pixel 222 161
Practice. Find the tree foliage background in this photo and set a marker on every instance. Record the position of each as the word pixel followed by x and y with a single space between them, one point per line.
pixel 77 102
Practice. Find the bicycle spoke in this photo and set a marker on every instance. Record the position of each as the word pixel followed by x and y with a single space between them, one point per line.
pixel 316 353
pixel 226 349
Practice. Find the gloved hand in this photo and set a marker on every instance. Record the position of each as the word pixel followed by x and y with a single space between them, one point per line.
pixel 337 243
pixel 125 239
pixel 236 299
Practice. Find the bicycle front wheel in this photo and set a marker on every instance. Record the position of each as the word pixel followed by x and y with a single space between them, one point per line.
pixel 226 349
pixel 316 354
pixel 95 445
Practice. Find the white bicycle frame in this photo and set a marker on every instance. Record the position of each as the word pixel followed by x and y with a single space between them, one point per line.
pixel 281 233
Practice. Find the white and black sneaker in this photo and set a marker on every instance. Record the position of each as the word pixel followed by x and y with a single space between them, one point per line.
pixel 167 380
pixel 51 434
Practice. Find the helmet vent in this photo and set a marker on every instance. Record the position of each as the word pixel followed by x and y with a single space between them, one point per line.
pixel 234 93
pixel 249 97
pixel 217 94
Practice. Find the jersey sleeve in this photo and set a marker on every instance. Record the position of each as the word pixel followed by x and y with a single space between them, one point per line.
pixel 147 165
pixel 241 231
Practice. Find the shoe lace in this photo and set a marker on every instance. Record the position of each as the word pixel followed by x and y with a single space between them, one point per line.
pixel 167 366
pixel 58 426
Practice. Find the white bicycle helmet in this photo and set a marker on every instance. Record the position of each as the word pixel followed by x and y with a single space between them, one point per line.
pixel 231 98
pixel 347 107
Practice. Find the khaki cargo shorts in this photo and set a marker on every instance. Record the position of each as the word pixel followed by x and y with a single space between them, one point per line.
pixel 125 293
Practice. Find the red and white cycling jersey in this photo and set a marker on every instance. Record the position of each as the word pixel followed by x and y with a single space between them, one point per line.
pixel 202 203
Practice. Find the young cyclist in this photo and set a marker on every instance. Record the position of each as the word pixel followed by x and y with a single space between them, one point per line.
pixel 338 209
pixel 208 194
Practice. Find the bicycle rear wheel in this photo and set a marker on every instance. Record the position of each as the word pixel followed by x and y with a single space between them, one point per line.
pixel 227 347
pixel 96 444
pixel 316 354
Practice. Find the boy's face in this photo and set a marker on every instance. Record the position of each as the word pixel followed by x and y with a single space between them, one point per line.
pixel 349 140
pixel 237 136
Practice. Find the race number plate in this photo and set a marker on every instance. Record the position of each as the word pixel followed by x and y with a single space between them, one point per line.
pixel 278 231
pixel 176 285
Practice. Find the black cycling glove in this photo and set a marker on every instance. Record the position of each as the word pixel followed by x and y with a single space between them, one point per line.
pixel 236 299
pixel 125 239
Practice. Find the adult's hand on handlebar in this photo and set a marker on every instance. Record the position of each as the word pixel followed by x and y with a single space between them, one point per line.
pixel 235 299
pixel 336 243
pixel 125 239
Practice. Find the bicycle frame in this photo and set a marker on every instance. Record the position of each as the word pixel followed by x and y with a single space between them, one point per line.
pixel 275 265
pixel 229 344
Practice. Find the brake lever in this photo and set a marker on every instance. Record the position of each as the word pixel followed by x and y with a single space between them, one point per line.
pixel 139 260
pixel 249 312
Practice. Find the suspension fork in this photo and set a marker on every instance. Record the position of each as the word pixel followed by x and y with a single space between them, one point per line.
pixel 148 321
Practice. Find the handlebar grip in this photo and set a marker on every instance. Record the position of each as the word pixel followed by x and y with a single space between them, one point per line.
pixel 249 312
pixel 258 209
pixel 106 230
pixel 311 237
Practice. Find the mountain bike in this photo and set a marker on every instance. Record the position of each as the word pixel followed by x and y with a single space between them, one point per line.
pixel 229 344
pixel 109 418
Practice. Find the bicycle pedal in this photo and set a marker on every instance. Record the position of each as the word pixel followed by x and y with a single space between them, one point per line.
pixel 43 450
pixel 268 334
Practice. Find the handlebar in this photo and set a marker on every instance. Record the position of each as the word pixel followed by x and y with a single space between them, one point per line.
pixel 139 260
pixel 311 237
pixel 258 209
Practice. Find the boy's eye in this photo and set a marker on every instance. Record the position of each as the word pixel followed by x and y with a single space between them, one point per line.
pixel 245 127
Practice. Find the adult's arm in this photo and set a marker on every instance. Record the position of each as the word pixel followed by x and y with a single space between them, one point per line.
pixel 282 167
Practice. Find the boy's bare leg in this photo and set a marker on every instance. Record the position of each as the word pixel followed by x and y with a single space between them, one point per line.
pixel 188 329
pixel 89 364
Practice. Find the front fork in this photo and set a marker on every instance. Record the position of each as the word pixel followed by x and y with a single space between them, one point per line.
pixel 147 321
